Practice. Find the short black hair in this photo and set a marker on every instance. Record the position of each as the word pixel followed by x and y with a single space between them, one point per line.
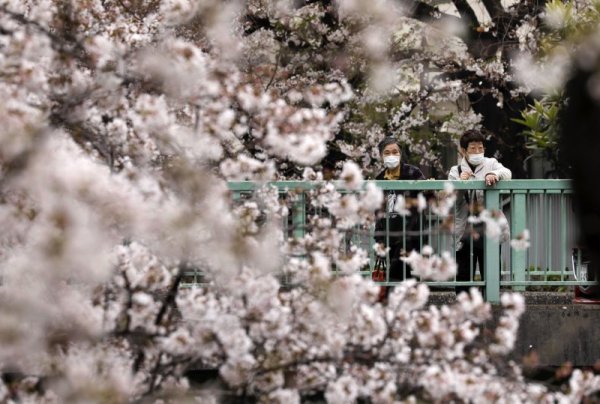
pixel 387 141
pixel 472 135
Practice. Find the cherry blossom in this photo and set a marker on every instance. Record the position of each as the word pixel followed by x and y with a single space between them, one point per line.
pixel 126 260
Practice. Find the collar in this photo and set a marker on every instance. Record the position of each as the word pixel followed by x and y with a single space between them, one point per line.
pixel 392 175
pixel 464 165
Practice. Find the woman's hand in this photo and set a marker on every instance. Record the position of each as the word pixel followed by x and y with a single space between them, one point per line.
pixel 465 175
pixel 491 179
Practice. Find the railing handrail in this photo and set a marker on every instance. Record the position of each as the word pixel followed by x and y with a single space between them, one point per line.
pixel 425 185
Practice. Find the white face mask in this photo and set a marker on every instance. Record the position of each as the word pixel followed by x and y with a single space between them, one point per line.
pixel 391 161
pixel 475 159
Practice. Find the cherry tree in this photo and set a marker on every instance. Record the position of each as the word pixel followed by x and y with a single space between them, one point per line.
pixel 121 123
pixel 421 71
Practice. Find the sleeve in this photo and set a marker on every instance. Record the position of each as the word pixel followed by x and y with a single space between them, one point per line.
pixel 416 173
pixel 500 171
pixel 453 174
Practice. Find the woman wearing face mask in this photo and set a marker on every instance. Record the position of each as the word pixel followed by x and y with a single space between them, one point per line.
pixel 473 166
pixel 399 225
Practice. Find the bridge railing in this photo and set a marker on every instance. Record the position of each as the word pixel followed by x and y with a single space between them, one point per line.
pixel 544 207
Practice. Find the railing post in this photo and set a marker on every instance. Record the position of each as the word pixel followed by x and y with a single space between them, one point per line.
pixel 492 252
pixel 518 259
pixel 563 236
pixel 299 216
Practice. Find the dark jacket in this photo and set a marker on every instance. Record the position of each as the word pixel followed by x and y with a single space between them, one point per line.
pixel 397 222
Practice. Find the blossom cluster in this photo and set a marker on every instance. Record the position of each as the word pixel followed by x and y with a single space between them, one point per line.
pixel 127 260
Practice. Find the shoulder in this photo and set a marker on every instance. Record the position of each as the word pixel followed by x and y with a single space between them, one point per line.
pixel 453 173
pixel 380 176
pixel 410 172
pixel 492 163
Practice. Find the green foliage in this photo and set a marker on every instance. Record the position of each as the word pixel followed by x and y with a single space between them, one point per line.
pixel 541 123
pixel 566 25
pixel 568 21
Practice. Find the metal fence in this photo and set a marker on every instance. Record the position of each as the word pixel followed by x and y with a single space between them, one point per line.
pixel 544 207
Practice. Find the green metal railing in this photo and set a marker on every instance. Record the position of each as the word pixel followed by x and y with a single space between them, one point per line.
pixel 544 207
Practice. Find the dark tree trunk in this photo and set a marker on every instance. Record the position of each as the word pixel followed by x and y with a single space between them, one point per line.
pixel 580 143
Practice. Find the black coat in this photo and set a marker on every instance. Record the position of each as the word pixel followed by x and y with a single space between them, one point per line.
pixel 398 223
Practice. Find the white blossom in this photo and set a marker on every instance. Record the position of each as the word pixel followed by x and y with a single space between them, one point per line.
pixel 521 242
pixel 126 259
pixel 351 176
pixel 343 390
pixel 372 198
pixel 380 249
pixel 284 396
pixel 445 201
pixel 496 224
pixel 429 266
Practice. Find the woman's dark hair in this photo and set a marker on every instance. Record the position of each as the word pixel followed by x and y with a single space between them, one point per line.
pixel 387 141
pixel 472 135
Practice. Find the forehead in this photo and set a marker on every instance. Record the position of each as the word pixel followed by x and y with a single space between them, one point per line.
pixel 475 145
pixel 391 147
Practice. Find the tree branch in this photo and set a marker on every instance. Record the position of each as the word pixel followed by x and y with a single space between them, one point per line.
pixel 494 8
pixel 466 13
pixel 172 293
pixel 67 43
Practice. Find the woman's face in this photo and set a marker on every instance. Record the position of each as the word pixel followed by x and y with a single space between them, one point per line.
pixel 391 150
pixel 473 148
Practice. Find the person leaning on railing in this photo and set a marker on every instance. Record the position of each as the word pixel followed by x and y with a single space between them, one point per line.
pixel 473 166
pixel 395 169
